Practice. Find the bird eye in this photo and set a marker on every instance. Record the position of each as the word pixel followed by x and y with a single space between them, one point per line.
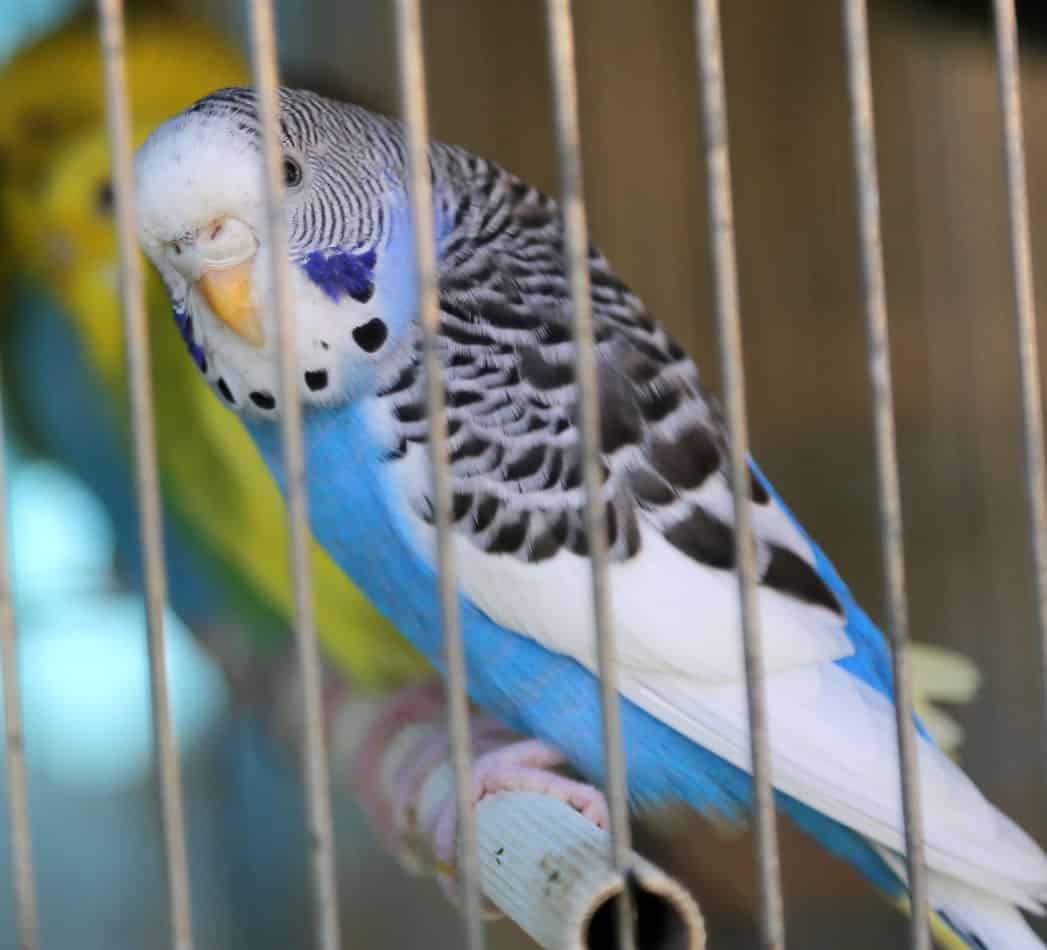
pixel 104 198
pixel 292 173
pixel 41 125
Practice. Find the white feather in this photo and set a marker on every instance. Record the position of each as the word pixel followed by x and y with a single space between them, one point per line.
pixel 770 522
pixel 833 748
pixel 997 924
pixel 671 613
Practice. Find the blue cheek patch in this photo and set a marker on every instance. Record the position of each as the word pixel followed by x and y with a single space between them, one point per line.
pixel 185 331
pixel 342 274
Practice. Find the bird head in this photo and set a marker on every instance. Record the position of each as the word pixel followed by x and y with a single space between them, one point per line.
pixel 53 94
pixel 201 214
pixel 69 243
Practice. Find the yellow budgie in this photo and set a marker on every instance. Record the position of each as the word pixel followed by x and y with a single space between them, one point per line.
pixel 225 516
pixel 54 88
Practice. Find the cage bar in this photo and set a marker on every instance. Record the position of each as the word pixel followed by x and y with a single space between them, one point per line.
pixel 1024 311
pixel 315 764
pixel 867 188
pixel 725 279
pixel 147 485
pixel 14 739
pixel 415 111
pixel 560 28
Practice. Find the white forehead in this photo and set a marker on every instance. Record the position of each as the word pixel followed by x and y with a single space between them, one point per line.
pixel 192 169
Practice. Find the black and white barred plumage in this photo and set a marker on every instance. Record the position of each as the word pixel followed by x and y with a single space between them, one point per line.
pixel 509 358
pixel 350 210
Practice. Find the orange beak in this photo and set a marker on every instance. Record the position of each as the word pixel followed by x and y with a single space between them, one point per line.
pixel 229 293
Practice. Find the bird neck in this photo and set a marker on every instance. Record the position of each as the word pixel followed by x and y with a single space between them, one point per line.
pixel 355 519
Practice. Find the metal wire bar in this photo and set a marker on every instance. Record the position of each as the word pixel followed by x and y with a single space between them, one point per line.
pixel 278 300
pixel 14 746
pixel 560 28
pixel 147 485
pixel 725 275
pixel 416 119
pixel 889 495
pixel 1024 310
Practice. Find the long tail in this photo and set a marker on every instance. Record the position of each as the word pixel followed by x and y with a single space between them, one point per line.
pixel 967 918
pixel 962 917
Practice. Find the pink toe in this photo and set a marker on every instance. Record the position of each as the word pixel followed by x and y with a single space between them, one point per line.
pixel 444 824
pixel 421 702
pixel 527 753
pixel 418 765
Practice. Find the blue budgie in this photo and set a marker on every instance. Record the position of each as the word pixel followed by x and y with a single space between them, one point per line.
pixel 519 535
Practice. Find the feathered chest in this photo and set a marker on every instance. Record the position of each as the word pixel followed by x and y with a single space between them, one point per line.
pixel 353 512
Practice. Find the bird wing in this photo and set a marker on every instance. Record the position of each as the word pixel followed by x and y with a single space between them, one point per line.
pixel 521 545
pixel 517 465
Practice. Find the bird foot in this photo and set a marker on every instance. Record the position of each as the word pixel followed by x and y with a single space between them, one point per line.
pixel 408 741
pixel 525 765
pixel 389 803
pixel 513 766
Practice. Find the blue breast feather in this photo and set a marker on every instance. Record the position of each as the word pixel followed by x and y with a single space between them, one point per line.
pixel 535 691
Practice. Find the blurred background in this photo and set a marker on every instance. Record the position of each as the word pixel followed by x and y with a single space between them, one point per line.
pixel 83 665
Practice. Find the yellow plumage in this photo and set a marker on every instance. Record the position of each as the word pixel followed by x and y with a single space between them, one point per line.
pixel 59 212
pixel 942 934
pixel 54 88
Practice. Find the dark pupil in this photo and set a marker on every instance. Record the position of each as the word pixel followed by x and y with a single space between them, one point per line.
pixel 105 197
pixel 292 173
pixel 41 125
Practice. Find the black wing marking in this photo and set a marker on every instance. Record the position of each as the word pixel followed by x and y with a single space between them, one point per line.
pixel 513 409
